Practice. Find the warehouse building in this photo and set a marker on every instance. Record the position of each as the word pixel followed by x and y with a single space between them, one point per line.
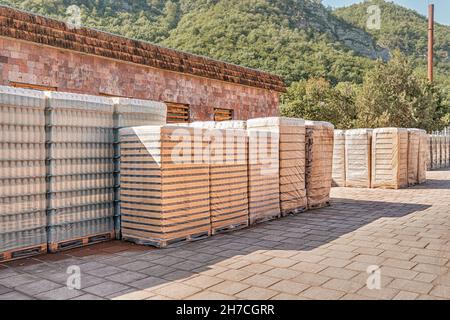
pixel 42 53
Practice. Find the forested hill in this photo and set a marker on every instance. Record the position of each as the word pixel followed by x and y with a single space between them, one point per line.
pixel 296 39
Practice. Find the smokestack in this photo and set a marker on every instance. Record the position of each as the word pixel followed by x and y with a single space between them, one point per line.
pixel 430 41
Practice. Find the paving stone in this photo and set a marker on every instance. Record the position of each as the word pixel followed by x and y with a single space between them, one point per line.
pixel 255 293
pixel 36 287
pixel 104 272
pixel 262 281
pixel 177 290
pixel 401 264
pixel 235 275
pixel 319 293
pixel 229 287
pixel 87 297
pixel 335 262
pixel 281 273
pixel 60 294
pixel 308 267
pixel 343 285
pixel 136 265
pixel 441 292
pixel 147 283
pixel 14 295
pixel 210 295
pixel 338 273
pixel 203 281
pixel 404 295
pixel 311 279
pixel 290 287
pixel 412 286
pixel 127 277
pixel 381 294
pixel 286 296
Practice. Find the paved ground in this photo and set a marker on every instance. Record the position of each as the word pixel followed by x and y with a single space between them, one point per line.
pixel 321 254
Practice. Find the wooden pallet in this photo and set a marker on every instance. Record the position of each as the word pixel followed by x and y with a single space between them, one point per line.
pixel 257 220
pixel 22 253
pixel 229 228
pixel 163 243
pixel 80 242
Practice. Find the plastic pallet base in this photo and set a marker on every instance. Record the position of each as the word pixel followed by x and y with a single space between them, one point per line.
pixel 80 242
pixel 165 243
pixel 230 228
pixel 23 253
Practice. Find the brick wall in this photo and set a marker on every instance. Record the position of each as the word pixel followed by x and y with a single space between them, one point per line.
pixel 71 71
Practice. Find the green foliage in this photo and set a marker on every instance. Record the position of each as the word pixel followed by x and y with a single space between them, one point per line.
pixel 391 95
pixel 317 99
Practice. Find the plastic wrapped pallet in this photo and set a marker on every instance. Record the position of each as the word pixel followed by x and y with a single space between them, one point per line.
pixel 228 160
pixel 445 152
pixel 81 151
pixel 436 152
pixel 291 133
pixel 413 156
pixel 390 158
pixel 423 157
pixel 164 185
pixel 264 174
pixel 132 113
pixel 22 173
pixel 339 158
pixel 319 163
pixel 430 152
pixel 358 146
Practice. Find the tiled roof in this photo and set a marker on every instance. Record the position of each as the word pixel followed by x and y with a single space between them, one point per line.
pixel 29 27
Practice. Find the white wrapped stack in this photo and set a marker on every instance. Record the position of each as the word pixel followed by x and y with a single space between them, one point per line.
pixel 22 173
pixel 414 136
pixel 423 157
pixel 389 158
pixel 339 158
pixel 319 163
pixel 445 152
pixel 436 152
pixel 430 152
pixel 165 195
pixel 132 113
pixel 358 148
pixel 81 152
pixel 263 168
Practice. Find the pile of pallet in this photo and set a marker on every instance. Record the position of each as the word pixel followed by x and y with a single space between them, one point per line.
pixel 22 174
pixel 382 158
pixel 59 162
pixel 182 183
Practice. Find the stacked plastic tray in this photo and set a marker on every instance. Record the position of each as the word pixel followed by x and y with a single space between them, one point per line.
pixel 132 113
pixel 390 158
pixel 165 194
pixel 22 173
pixel 263 168
pixel 319 163
pixel 81 182
pixel 358 143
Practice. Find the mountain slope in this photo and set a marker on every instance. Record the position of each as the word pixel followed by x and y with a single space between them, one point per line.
pixel 294 38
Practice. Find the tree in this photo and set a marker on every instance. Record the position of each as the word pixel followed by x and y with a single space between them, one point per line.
pixel 317 99
pixel 392 95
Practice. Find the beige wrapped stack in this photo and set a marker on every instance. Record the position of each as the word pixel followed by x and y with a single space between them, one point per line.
pixel 445 151
pixel 436 146
pixel 358 148
pixel 228 179
pixel 414 136
pixel 339 158
pixel 319 163
pixel 132 113
pixel 164 185
pixel 430 152
pixel 423 157
pixel 264 174
pixel 291 133
pixel 22 173
pixel 389 158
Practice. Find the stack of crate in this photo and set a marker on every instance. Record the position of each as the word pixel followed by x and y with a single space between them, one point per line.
pixel 131 113
pixel 339 158
pixel 22 173
pixel 81 182
pixel 263 169
pixel 390 158
pixel 358 145
pixel 319 163
pixel 165 195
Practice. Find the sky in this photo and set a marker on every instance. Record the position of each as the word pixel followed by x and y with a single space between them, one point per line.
pixel 442 7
